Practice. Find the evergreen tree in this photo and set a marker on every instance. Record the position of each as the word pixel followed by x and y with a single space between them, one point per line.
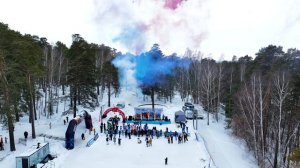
pixel 81 73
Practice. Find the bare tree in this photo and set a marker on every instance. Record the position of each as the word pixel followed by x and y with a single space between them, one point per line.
pixel 281 91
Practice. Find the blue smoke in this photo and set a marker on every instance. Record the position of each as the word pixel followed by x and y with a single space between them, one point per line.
pixel 149 68
pixel 132 37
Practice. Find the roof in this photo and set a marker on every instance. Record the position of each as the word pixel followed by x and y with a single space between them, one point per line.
pixel 139 110
pixel 31 150
pixel 179 113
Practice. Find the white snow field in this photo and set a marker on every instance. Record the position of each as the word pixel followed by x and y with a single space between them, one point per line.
pixel 215 147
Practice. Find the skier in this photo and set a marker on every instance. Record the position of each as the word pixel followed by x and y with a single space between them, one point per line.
pixel 64 122
pixel 166 160
pixel 67 119
pixel 82 136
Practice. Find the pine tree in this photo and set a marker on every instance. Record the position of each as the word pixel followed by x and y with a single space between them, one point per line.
pixel 81 74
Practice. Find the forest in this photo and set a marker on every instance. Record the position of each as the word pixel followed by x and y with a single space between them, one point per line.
pixel 260 94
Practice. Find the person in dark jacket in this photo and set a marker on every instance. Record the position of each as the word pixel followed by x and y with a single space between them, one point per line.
pixel 1 144
pixel 107 140
pixel 119 141
pixel 166 160
pixel 82 136
pixel 101 127
pixel 25 135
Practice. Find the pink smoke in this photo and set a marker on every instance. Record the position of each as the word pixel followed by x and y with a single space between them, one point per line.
pixel 172 4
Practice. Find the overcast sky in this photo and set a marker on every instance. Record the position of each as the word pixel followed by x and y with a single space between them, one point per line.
pixel 214 27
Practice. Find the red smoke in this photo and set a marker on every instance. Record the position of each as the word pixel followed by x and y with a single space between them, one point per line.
pixel 172 4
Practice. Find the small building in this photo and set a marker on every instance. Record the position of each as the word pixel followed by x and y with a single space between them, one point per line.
pixel 180 117
pixel 33 156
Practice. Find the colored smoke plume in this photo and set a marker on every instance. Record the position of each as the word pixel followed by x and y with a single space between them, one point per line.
pixel 134 25
pixel 148 68
pixel 172 4
pixel 133 37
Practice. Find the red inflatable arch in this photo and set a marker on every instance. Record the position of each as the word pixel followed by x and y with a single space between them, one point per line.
pixel 114 109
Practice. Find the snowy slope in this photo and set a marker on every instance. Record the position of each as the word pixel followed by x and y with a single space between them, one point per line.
pixel 225 150
pixel 131 154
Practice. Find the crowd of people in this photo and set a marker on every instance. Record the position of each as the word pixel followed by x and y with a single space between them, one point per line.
pixel 113 130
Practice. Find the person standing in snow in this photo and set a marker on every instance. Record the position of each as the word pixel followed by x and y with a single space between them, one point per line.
pixel 101 127
pixel 150 142
pixel 185 137
pixel 67 118
pixel 114 139
pixel 125 133
pixel 147 142
pixel 119 141
pixel 129 134
pixel 25 135
pixel 64 122
pixel 82 136
pixel 107 140
pixel 104 128
pixel 166 161
pixel 1 143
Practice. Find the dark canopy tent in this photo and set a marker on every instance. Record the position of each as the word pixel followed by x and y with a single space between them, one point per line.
pixel 180 117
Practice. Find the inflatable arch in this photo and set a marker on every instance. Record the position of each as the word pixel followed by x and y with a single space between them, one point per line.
pixel 114 109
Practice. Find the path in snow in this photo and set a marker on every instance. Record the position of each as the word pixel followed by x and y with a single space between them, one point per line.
pixel 225 150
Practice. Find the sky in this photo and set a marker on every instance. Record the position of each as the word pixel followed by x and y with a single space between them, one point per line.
pixel 217 28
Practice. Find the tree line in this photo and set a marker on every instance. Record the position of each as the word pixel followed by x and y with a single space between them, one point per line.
pixel 260 95
pixel 33 72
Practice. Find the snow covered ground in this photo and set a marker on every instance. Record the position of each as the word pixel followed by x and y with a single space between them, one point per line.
pixel 222 150
pixel 225 150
